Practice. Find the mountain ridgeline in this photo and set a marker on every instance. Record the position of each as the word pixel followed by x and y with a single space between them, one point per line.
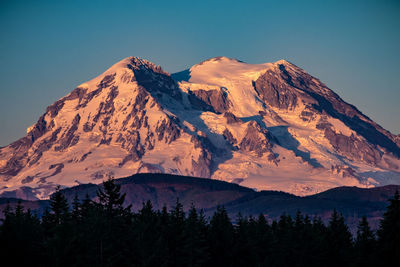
pixel 268 126
pixel 207 194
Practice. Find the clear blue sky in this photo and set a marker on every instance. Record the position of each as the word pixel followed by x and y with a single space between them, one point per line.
pixel 49 47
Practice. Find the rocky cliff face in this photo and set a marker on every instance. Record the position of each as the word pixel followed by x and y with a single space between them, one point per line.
pixel 285 86
pixel 267 126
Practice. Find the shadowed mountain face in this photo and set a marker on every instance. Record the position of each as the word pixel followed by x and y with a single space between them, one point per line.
pixel 207 194
pixel 267 126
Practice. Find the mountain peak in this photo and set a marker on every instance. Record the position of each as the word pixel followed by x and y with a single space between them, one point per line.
pixel 125 71
pixel 219 59
pixel 268 124
pixel 142 63
pixel 285 63
pixel 133 63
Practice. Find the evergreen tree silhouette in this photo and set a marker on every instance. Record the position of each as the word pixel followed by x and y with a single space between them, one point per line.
pixel 148 246
pixel 111 200
pixel 112 223
pixel 339 241
pixel 365 244
pixel 59 208
pixel 195 247
pixel 76 209
pixel 262 235
pixel 106 233
pixel 389 232
pixel 283 246
pixel 221 239
pixel 56 223
pixel 176 237
pixel 21 237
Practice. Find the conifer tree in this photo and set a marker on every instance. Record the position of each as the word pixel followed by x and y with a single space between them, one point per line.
pixel 105 233
pixel 263 240
pixel 111 199
pixel 283 245
pixel 21 237
pixel 59 208
pixel 112 222
pixel 148 248
pixel 302 240
pixel 88 229
pixel 177 236
pixel 339 241
pixel 221 233
pixel 56 222
pixel 365 244
pixel 76 208
pixel 87 208
pixel 389 232
pixel 244 241
pixel 195 247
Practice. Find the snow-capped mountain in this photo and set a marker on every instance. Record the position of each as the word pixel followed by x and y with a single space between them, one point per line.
pixel 266 126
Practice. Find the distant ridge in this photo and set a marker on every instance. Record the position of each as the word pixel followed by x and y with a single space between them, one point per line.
pixel 207 194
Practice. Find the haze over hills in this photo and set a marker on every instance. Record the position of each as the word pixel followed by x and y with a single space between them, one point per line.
pixel 207 194
pixel 264 126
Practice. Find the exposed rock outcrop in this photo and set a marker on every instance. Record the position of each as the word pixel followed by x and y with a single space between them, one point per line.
pixel 209 100
pixel 256 139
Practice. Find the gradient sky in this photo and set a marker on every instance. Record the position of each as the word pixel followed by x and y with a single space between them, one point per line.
pixel 47 48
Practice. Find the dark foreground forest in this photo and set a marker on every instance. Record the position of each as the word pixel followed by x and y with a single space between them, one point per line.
pixel 105 233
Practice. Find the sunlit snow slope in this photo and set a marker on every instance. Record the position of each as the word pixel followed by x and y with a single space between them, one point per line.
pixel 266 126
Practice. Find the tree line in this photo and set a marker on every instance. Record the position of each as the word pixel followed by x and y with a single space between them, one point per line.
pixel 105 233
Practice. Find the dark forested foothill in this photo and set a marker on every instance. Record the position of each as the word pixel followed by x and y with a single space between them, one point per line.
pixel 104 232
